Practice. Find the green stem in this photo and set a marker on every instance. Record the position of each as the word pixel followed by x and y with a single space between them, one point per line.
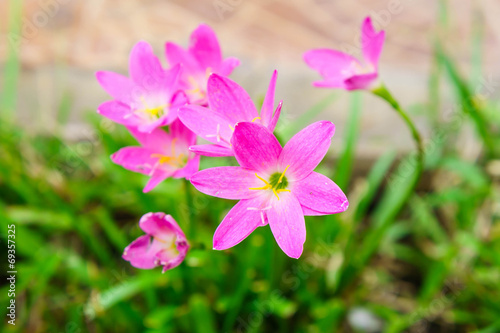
pixel 382 92
pixel 190 211
pixel 389 207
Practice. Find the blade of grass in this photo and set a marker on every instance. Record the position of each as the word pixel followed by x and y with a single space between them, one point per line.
pixel 467 101
pixel 122 291
pixel 203 320
pixel 346 160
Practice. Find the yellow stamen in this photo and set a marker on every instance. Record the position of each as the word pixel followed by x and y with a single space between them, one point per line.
pixel 162 159
pixel 174 160
pixel 260 188
pixel 269 186
pixel 265 181
pixel 231 127
pixel 155 112
pixel 282 175
pixel 196 89
pixel 254 119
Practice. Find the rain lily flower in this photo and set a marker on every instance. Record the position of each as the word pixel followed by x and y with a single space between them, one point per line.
pixel 161 154
pixel 163 245
pixel 275 185
pixel 149 98
pixel 202 58
pixel 341 70
pixel 228 104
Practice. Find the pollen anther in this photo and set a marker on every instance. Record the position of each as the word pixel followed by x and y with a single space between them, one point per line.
pixel 276 186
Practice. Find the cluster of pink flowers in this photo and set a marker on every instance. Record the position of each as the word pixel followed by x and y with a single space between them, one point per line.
pixel 167 109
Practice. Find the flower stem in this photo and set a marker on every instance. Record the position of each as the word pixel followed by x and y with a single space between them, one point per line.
pixel 189 210
pixel 382 92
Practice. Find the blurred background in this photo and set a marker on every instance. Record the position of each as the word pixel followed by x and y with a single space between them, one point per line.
pixel 428 261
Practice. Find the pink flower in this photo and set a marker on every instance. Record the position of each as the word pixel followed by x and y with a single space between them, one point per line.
pixel 161 154
pixel 275 185
pixel 202 58
pixel 163 245
pixel 228 104
pixel 149 98
pixel 341 70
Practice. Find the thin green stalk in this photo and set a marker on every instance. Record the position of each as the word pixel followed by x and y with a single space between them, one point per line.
pixel 382 92
pixel 391 204
pixel 190 210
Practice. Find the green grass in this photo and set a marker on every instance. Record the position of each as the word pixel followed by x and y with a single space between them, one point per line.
pixel 427 264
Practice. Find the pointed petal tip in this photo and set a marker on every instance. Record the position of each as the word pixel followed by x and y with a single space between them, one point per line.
pixel 98 75
pixel 344 205
pixel 217 246
pixel 215 76
pixel 330 125
pixel 296 255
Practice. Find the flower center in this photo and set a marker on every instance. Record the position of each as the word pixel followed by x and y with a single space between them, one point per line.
pixel 277 183
pixel 198 85
pixel 176 161
pixel 150 113
pixel 155 112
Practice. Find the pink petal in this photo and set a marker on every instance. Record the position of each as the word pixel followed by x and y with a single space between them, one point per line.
pixel 177 55
pixel 255 147
pixel 266 112
pixel 330 84
pixel 241 220
pixel 211 150
pixel 156 178
pixel 173 222
pixel 158 140
pixel 136 159
pixel 145 68
pixel 286 220
pixel 169 81
pixel 207 124
pixel 205 47
pixel 306 149
pixel 192 166
pixel 139 253
pixel 150 126
pixel 227 66
pixel 372 42
pixel 182 247
pixel 274 121
pixel 363 81
pixel 227 182
pixel 118 86
pixel 310 212
pixel 157 225
pixel 182 133
pixel 116 111
pixel 320 194
pixel 230 100
pixel 333 65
